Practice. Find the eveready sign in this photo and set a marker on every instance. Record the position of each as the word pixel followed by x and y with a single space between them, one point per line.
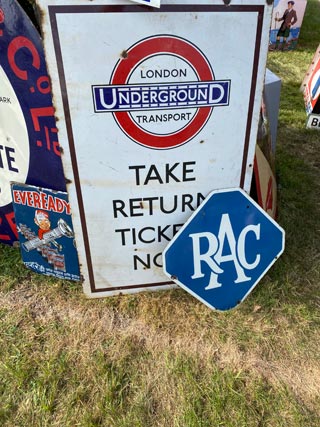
pixel 155 59
pixel 41 200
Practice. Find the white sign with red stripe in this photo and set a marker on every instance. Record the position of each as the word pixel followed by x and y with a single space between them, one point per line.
pixel 156 108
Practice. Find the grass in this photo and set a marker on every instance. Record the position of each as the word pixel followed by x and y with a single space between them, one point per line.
pixel 164 359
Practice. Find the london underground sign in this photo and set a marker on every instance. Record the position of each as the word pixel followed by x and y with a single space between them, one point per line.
pixel 224 249
pixel 184 107
pixel 156 108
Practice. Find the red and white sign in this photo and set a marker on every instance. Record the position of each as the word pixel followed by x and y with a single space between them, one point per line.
pixel 146 55
pixel 156 108
pixel 311 92
pixel 183 105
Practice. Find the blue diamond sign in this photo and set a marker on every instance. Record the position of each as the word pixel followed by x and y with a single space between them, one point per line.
pixel 224 249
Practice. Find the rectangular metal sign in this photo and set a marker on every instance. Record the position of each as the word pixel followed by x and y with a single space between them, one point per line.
pixel 311 92
pixel 156 108
pixel 286 22
pixel 44 226
pixel 313 121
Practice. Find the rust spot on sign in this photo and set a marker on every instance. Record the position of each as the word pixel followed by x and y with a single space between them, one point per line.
pixel 124 54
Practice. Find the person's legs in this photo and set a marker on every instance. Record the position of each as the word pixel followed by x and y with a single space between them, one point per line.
pixel 284 43
pixel 277 43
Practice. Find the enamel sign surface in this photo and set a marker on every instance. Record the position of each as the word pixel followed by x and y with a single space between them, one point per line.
pixel 152 3
pixel 286 23
pixel 156 108
pixel 44 224
pixel 224 249
pixel 311 92
pixel 29 148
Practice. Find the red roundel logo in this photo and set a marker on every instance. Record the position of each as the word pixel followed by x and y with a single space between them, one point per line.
pixel 161 92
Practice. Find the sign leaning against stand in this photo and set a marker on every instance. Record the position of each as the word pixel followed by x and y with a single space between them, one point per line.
pixel 156 108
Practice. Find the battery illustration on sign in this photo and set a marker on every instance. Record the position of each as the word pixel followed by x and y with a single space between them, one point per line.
pixel 141 103
pixel 50 236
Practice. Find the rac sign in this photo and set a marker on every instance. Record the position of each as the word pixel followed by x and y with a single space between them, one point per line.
pixel 224 249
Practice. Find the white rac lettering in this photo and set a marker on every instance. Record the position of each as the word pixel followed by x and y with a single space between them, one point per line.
pixel 214 256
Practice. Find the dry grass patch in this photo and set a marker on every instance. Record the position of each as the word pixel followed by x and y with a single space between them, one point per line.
pixel 77 359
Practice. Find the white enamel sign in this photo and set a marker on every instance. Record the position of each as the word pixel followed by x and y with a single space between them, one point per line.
pixel 156 108
pixel 152 3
